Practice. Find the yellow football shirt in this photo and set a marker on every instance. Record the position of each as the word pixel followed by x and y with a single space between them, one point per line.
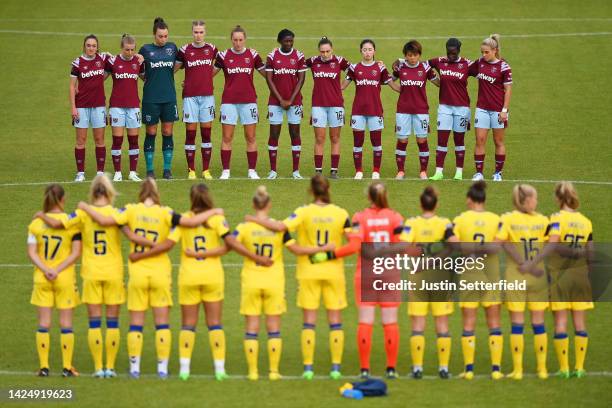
pixel 53 246
pixel 317 225
pixel 209 236
pixel 102 258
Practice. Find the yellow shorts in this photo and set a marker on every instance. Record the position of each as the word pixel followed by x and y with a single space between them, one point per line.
pixel 437 308
pixel 103 292
pixel 521 306
pixel 270 301
pixel 333 291
pixel 578 306
pixel 50 294
pixel 149 290
pixel 196 294
pixel 474 305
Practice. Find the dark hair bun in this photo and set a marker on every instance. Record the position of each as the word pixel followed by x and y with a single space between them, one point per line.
pixel 158 20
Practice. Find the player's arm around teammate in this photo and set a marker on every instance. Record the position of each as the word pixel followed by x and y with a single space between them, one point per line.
pixel 474 229
pixel 239 100
pixel 523 232
pixel 412 112
pixel 428 229
pixel 318 224
pixel 53 253
pixel 197 59
pixel 367 109
pixel 263 288
pixel 494 91
pixel 159 96
pixel 124 105
pixel 88 104
pixel 285 74
pixel 327 103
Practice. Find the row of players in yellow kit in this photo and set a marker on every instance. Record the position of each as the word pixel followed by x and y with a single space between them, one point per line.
pixel 320 227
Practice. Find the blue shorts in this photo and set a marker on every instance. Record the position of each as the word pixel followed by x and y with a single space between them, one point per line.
pixel 455 118
pixel 248 113
pixel 486 119
pixel 199 109
pixel 91 117
pixel 332 116
pixel 125 117
pixel 294 113
pixel 409 123
pixel 359 122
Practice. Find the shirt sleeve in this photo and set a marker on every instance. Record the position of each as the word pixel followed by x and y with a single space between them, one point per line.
pixel 502 231
pixel 220 60
pixel 302 64
pixel 120 215
pixel 506 74
pixel 308 63
pixel 344 64
pixel 74 68
pixel 407 234
pixel 180 55
pixel 473 69
pixel 288 239
pixel 448 230
pixel 108 65
pixel 554 228
pixel 74 219
pixel 238 232
pixel 175 234
pixel 356 227
pixel 258 63
pixel 31 239
pixel 220 225
pixel 269 62
pixel 385 78
pixel 431 73
pixel 350 73
pixel 294 220
pixel 433 62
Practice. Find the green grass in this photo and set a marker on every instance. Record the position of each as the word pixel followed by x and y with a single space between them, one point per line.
pixel 559 121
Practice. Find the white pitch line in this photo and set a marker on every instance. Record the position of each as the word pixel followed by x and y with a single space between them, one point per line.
pixel 332 20
pixel 299 377
pixel 391 38
pixel 544 181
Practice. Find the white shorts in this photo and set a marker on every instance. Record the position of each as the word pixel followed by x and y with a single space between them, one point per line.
pixel 359 122
pixel 455 118
pixel 486 119
pixel 125 117
pixel 294 113
pixel 409 123
pixel 332 116
pixel 199 109
pixel 247 112
pixel 91 117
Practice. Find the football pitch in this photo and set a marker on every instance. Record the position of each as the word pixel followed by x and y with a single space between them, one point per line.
pixel 560 52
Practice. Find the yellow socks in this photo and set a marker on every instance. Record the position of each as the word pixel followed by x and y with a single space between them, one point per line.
pixel 540 345
pixel 275 349
pixel 336 345
pixel 517 345
pixel 443 344
pixel 496 348
pixel 94 339
pixel 561 342
pixel 42 345
pixel 308 344
pixel 112 340
pixel 581 341
pixel 251 351
pixel 468 346
pixel 67 343
pixel 216 337
pixel 163 343
pixel 134 343
pixel 417 350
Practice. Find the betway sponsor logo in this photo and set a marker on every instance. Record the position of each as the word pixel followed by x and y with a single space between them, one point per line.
pixel 285 71
pixel 125 75
pixel 199 63
pixel 331 75
pixel 448 72
pixel 371 82
pixel 89 74
pixel 239 70
pixel 410 82
pixel 162 64
pixel 485 78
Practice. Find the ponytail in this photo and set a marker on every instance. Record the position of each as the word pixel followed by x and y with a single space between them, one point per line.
pixel 492 42
pixel 319 188
pixel 159 24
pixel 261 198
pixel 377 193
pixel 54 193
pixel 567 195
pixel 429 198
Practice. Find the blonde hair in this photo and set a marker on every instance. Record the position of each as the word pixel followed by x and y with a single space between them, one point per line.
pixel 148 189
pixel 520 194
pixel 54 193
pixel 377 193
pixel 492 42
pixel 101 186
pixel 567 195
pixel 127 39
pixel 261 198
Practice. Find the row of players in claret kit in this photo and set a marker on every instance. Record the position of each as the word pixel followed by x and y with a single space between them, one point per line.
pixel 284 71
pixel 320 234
